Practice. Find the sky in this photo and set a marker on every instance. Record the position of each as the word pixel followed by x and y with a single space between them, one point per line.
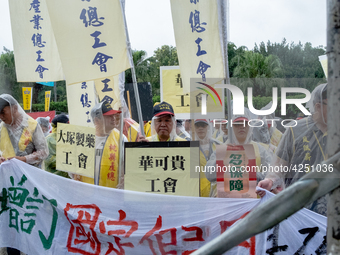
pixel 251 21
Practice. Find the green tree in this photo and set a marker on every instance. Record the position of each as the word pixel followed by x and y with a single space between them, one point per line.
pixel 163 56
pixel 255 69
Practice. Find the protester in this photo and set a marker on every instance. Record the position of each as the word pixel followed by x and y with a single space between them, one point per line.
pixel 223 137
pixel 50 161
pixel 203 134
pixel 20 137
pixel 44 124
pixel 242 134
pixel 187 126
pixel 217 131
pixel 268 133
pixel 106 146
pixel 303 145
pixel 180 130
pixel 163 124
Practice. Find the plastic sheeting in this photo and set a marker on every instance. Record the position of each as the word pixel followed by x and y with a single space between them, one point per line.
pixel 55 215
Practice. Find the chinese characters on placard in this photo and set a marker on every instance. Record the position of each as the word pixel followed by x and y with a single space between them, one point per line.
pixel 150 162
pixel 78 139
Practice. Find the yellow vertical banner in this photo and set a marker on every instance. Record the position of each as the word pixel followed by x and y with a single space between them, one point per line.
pixel 47 100
pixel 35 50
pixel 81 99
pixel 187 105
pixel 198 40
pixel 91 38
pixel 27 98
pixel 75 149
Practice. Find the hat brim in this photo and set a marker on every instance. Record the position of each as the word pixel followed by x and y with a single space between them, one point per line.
pixel 240 119
pixel 111 112
pixel 164 113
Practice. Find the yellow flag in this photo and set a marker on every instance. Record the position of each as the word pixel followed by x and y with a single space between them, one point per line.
pixel 47 100
pixel 198 40
pixel 27 97
pixel 35 50
pixel 91 38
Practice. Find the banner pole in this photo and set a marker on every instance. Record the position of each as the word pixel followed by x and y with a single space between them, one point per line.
pixel 224 11
pixel 133 72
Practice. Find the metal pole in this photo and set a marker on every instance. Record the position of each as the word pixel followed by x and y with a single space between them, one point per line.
pixel 133 72
pixel 224 20
pixel 333 124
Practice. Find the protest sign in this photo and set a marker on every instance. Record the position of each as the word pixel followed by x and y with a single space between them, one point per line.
pixel 188 103
pixel 75 149
pixel 162 167
pixel 236 171
pixel 42 213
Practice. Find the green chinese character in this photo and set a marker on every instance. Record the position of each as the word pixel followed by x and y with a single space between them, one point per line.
pixel 236 174
pixel 236 185
pixel 236 159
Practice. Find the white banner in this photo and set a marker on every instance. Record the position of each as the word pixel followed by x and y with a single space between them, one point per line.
pixel 35 49
pixel 91 38
pixel 198 40
pixel 42 213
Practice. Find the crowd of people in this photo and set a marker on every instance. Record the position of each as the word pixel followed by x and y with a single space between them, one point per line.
pixel 304 144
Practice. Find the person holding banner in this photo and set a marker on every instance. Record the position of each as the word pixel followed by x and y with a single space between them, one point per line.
pixel 203 134
pixel 163 124
pixel 50 161
pixel 20 137
pixel 302 149
pixel 242 135
pixel 106 145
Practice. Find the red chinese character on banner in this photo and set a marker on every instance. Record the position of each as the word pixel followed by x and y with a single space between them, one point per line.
pixel 120 222
pixel 82 229
pixel 112 166
pixel 112 147
pixel 111 176
pixel 198 237
pixel 112 156
pixel 249 245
